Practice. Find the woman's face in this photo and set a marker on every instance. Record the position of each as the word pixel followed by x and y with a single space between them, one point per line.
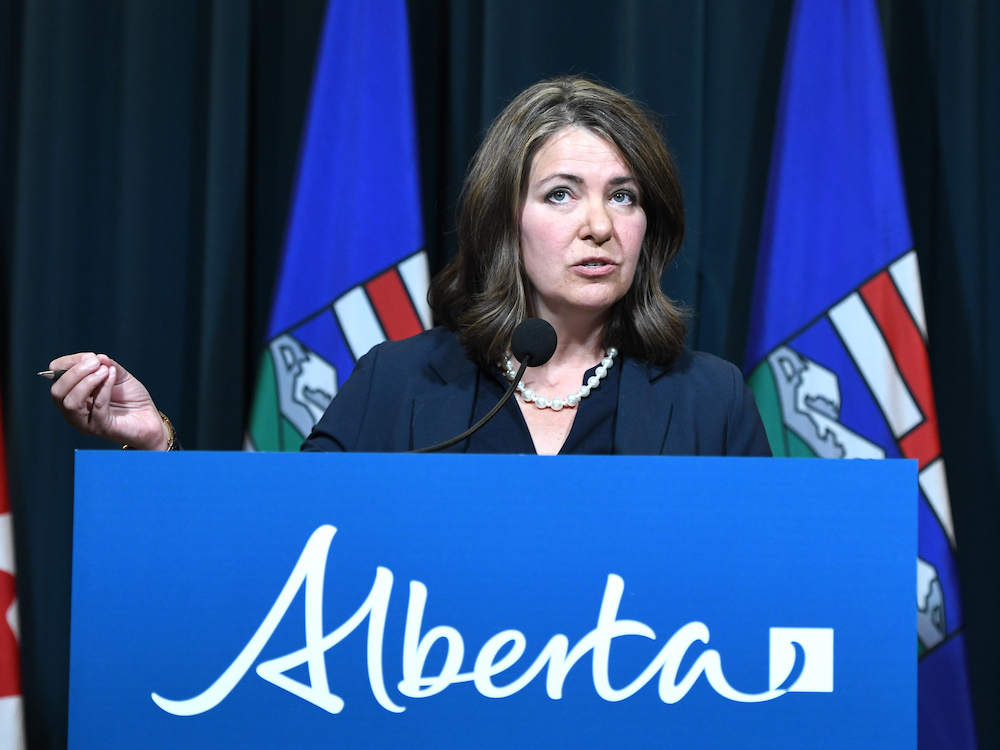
pixel 581 225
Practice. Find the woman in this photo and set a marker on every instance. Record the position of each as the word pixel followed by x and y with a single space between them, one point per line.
pixel 570 212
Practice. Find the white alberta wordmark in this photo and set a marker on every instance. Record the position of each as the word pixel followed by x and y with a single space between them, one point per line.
pixel 556 657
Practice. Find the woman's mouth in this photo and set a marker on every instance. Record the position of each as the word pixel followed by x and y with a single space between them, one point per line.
pixel 595 266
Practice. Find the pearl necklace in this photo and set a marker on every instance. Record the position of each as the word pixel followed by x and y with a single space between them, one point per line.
pixel 572 399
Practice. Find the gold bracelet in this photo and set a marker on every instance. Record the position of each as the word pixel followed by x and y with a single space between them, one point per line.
pixel 172 442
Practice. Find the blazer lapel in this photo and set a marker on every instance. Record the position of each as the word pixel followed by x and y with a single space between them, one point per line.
pixel 643 411
pixel 443 412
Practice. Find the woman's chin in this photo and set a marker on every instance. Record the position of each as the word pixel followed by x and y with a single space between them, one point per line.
pixel 593 306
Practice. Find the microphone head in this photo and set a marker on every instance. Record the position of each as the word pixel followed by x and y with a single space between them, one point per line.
pixel 534 342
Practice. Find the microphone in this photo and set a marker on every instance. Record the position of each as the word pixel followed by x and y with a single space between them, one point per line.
pixel 533 343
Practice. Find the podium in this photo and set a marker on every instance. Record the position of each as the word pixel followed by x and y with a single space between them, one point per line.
pixel 458 601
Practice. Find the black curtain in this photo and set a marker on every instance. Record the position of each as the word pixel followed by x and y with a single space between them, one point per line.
pixel 147 153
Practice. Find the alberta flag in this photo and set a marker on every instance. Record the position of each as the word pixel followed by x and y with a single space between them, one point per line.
pixel 353 272
pixel 837 349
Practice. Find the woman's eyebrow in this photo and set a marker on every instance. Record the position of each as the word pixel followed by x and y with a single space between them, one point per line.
pixel 562 176
pixel 576 179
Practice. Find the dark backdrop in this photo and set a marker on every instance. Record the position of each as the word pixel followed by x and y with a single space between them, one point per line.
pixel 147 151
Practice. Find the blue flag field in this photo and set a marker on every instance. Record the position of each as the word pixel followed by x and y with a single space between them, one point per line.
pixel 837 349
pixel 353 273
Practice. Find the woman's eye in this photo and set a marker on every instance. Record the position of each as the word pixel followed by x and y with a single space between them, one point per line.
pixel 559 195
pixel 623 198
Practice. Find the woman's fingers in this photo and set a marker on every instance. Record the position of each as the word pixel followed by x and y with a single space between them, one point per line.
pixel 76 398
pixel 106 360
pixel 100 412
pixel 70 360
pixel 72 378
pixel 80 398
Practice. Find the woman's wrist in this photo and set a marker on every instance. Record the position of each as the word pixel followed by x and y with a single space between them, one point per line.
pixel 165 440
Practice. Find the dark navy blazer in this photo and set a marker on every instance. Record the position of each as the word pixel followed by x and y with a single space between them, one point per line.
pixel 421 391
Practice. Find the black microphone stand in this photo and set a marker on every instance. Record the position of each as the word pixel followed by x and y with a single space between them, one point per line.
pixel 484 420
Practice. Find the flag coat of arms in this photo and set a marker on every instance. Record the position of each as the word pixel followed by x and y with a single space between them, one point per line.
pixel 353 272
pixel 837 347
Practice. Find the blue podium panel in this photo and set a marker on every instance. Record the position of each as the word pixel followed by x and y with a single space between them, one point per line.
pixel 393 601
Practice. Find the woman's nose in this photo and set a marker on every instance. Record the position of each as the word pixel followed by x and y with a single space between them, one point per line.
pixel 597 223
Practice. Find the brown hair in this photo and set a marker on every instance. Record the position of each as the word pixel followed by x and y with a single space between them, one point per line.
pixel 481 293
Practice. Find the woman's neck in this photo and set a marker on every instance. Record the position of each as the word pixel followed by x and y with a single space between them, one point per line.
pixel 579 347
pixel 579 335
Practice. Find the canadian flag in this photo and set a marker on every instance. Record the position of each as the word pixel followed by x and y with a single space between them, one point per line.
pixel 11 715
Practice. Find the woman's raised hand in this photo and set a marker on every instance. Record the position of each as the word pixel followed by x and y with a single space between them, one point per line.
pixel 99 397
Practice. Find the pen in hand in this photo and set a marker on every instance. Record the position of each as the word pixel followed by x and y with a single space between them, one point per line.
pixel 52 375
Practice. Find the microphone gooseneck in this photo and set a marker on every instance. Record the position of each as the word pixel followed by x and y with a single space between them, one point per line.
pixel 533 343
